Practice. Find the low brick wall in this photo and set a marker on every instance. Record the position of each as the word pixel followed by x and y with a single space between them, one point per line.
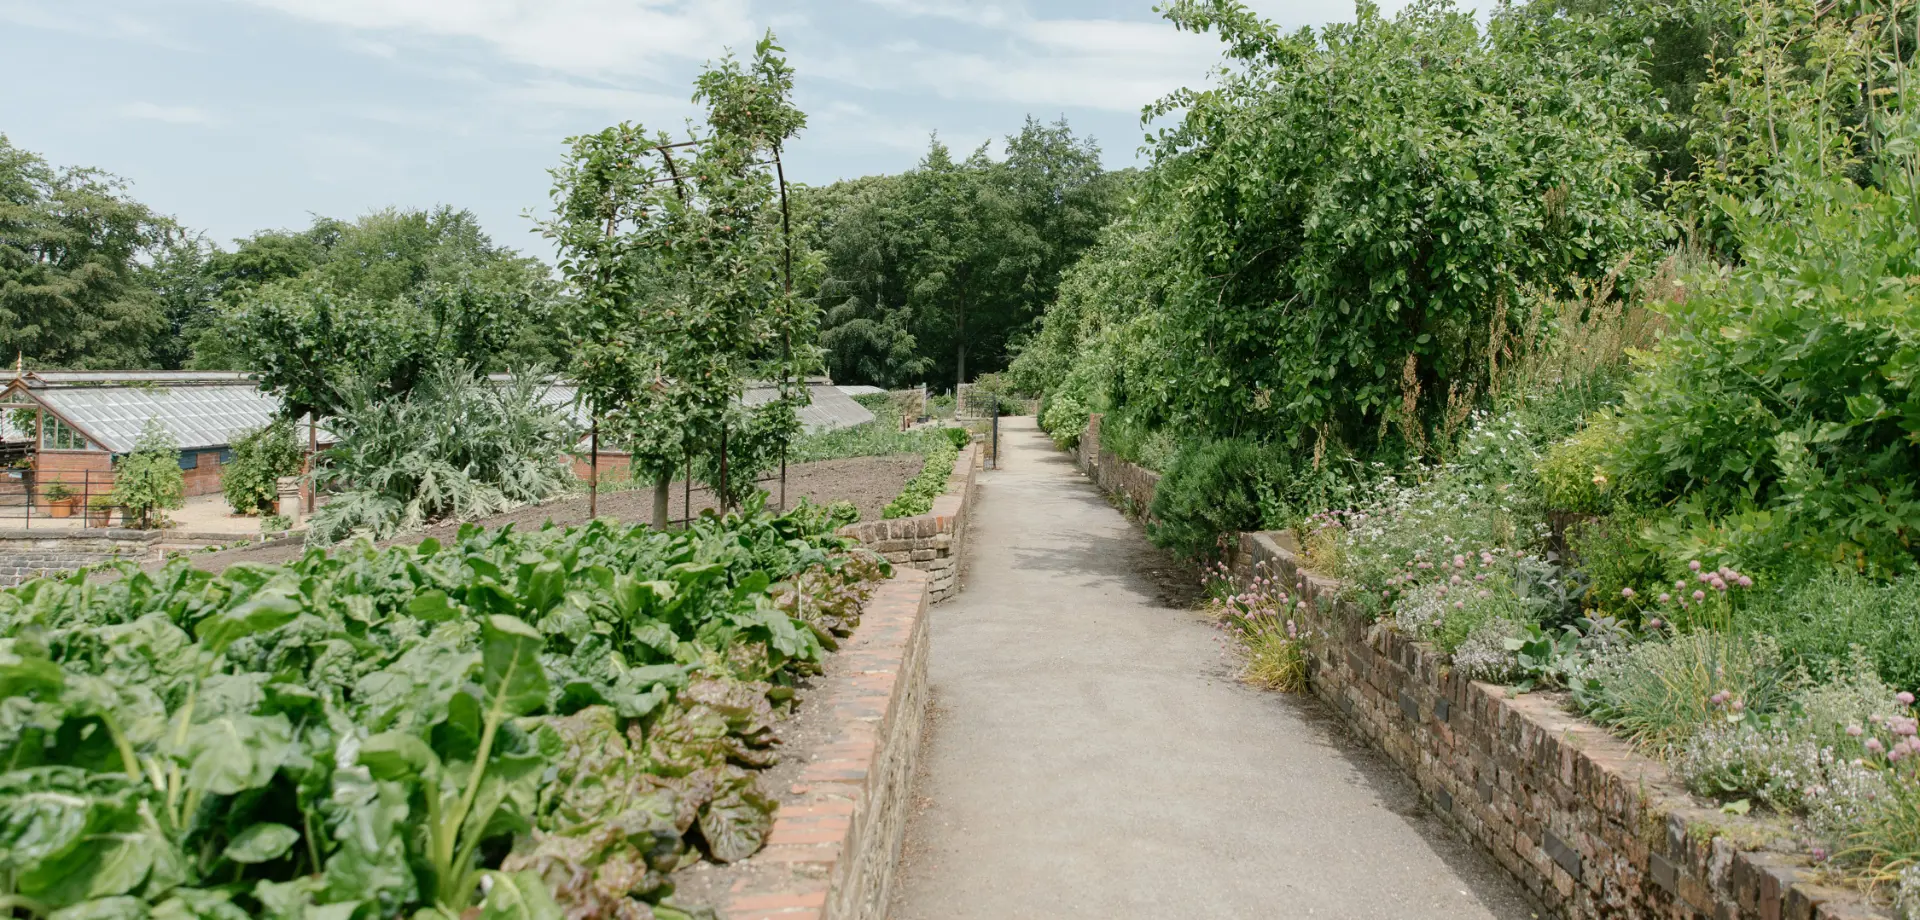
pixel 1588 824
pixel 836 840
pixel 929 542
pixel 26 554
pixel 1132 483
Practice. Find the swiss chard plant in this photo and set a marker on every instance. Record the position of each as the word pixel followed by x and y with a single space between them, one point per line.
pixel 519 724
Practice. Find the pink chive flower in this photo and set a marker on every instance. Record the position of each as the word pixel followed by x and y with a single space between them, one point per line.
pixel 1905 698
pixel 1874 745
pixel 1626 593
pixel 1694 565
pixel 1664 597
pixel 1854 731
pixel 1699 595
pixel 1746 582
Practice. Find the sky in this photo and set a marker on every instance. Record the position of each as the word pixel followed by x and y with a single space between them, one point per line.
pixel 235 116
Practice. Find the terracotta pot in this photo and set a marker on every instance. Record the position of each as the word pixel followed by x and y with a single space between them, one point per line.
pixel 99 517
pixel 61 509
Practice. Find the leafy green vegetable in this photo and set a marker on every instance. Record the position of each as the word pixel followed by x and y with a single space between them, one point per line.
pixel 512 723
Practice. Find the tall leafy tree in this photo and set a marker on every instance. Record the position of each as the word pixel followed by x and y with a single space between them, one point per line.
pixel 72 241
pixel 379 302
pixel 938 273
pixel 1360 220
pixel 675 254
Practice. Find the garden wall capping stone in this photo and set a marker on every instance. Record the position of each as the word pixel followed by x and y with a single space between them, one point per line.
pixel 836 840
pixel 929 542
pixel 1588 824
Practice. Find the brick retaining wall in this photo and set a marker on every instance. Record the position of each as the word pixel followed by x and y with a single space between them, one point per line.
pixel 26 554
pixel 836 840
pixel 1131 483
pixel 1590 826
pixel 929 542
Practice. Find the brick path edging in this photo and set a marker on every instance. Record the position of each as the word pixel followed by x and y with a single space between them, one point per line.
pixel 1590 826
pixel 929 542
pixel 832 852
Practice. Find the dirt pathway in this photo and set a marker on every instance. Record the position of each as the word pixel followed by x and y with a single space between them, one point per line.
pixel 1092 755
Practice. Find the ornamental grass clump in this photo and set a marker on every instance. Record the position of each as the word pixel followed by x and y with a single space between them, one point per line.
pixel 1262 619
pixel 1660 694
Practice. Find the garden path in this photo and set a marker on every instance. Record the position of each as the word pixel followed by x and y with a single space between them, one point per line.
pixel 1092 755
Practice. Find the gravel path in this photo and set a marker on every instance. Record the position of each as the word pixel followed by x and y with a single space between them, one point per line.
pixel 1093 756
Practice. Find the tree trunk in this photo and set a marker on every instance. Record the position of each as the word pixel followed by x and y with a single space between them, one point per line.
pixel 961 376
pixel 662 493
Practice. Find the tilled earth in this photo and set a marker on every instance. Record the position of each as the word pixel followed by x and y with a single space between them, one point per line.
pixel 868 482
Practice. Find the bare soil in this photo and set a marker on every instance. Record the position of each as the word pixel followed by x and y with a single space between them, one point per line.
pixel 868 482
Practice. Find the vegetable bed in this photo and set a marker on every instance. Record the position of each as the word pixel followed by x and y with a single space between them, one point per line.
pixel 528 725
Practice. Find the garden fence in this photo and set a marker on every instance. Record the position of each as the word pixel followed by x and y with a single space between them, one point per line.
pixel 56 500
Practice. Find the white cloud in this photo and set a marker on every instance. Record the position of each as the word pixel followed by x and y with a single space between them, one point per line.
pixel 171 114
pixel 80 20
pixel 1093 63
pixel 581 37
pixel 967 11
pixel 625 103
pixel 844 125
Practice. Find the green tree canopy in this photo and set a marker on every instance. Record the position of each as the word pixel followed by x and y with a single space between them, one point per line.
pixel 72 241
pixel 937 273
pixel 384 298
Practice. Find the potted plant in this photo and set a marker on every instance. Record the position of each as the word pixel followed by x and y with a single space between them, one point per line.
pixel 60 499
pixel 100 511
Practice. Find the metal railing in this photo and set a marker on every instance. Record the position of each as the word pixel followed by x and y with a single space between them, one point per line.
pixel 61 499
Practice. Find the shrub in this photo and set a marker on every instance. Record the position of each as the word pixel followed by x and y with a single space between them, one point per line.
pixel 1212 489
pixel 1787 384
pixel 1660 694
pixel 458 446
pixel 1574 475
pixel 921 490
pixel 1135 442
pixel 1610 556
pixel 148 481
pixel 1064 418
pixel 1821 622
pixel 958 437
pixel 260 457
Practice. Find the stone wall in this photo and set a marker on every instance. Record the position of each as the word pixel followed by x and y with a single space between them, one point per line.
pixel 835 843
pixel 929 542
pixel 1133 484
pixel 1589 825
pixel 25 554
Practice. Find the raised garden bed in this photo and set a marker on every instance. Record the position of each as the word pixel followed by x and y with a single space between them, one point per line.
pixel 512 724
pixel 1592 827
